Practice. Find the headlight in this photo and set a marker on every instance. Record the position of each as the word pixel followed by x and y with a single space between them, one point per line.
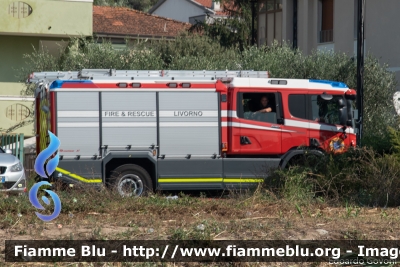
pixel 16 167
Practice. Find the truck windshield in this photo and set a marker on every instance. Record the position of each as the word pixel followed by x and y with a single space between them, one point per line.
pixel 326 111
pixel 350 108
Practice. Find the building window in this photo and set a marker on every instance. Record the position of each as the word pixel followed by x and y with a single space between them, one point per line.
pixel 54 48
pixel 270 21
pixel 325 31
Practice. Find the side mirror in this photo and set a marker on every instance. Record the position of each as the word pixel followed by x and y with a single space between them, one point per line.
pixel 349 110
pixel 8 151
pixel 343 116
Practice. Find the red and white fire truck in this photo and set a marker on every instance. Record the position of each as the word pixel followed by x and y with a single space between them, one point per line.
pixel 186 130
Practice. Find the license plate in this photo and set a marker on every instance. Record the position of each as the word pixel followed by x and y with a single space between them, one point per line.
pixel 3 179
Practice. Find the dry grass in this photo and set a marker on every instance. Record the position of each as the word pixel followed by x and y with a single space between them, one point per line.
pixel 93 215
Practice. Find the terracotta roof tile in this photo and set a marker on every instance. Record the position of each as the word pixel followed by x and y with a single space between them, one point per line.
pixel 206 3
pixel 125 21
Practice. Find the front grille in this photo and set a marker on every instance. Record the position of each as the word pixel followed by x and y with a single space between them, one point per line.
pixel 7 185
pixel 2 169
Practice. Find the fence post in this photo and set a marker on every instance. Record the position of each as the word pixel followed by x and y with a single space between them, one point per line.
pixel 15 143
pixel 21 148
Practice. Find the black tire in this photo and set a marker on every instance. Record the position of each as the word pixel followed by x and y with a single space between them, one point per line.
pixel 131 180
pixel 306 160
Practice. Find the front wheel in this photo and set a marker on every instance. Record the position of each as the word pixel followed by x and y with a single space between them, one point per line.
pixel 131 180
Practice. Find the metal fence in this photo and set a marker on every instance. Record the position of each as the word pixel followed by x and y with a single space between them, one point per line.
pixel 15 142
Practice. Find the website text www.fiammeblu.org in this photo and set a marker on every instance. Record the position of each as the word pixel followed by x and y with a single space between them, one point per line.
pixel 206 251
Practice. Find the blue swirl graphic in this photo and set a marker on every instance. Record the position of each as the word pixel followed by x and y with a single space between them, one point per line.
pixel 51 166
pixel 45 154
pixel 35 201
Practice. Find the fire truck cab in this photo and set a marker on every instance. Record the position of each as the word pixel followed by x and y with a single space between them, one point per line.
pixel 137 131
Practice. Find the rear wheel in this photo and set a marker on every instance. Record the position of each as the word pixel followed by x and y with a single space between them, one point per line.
pixel 131 180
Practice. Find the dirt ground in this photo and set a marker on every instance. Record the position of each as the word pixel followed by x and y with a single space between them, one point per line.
pixel 201 218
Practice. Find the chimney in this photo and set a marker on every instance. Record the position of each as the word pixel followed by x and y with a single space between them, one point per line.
pixel 216 6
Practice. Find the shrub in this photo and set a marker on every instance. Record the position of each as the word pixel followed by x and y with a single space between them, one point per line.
pixel 361 176
pixel 395 141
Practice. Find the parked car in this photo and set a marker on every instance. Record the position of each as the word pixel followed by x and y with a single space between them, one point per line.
pixel 12 173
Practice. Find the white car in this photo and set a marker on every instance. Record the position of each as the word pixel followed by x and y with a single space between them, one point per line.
pixel 12 173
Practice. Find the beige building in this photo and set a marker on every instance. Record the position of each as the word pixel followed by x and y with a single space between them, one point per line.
pixel 26 26
pixel 332 25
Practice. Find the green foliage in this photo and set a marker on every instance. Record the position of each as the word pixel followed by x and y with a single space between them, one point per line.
pixel 233 31
pixel 379 112
pixel 296 186
pixel 395 141
pixel 360 176
pixel 229 32
pixel 191 52
pixel 142 5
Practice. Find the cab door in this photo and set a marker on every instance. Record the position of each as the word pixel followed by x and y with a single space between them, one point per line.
pixel 295 131
pixel 260 133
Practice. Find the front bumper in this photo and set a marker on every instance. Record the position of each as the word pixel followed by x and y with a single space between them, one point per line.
pixel 13 182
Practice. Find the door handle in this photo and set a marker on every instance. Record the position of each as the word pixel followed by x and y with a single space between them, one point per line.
pixel 275 126
pixel 244 140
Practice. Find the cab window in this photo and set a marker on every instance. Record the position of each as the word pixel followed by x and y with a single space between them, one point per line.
pixel 297 106
pixel 325 111
pixel 257 107
pixel 314 108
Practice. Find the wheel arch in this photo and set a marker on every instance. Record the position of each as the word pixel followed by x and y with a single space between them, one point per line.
pixel 115 160
pixel 296 152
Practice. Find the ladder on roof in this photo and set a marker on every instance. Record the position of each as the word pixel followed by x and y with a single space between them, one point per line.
pixel 93 74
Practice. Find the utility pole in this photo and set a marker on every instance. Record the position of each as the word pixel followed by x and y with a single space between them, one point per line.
pixel 360 68
pixel 295 24
pixel 253 15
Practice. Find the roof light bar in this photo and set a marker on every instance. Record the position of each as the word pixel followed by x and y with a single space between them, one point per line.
pixel 332 83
